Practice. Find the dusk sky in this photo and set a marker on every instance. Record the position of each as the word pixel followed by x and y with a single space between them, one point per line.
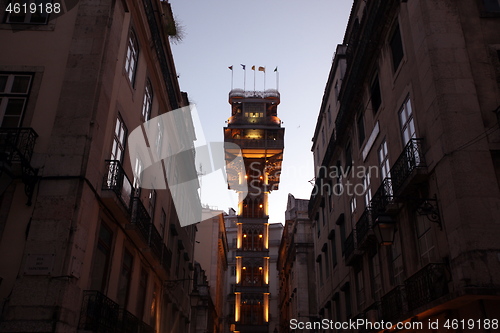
pixel 298 37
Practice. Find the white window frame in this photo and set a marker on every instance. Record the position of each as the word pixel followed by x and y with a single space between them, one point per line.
pixel 28 16
pixel 8 94
pixel 132 56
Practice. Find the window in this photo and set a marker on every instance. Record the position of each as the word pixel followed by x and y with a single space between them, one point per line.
pixel 124 280
pixel 102 258
pixel 360 124
pixel 163 222
pixel 492 6
pixel 152 204
pixel 132 56
pixel 396 48
pixel 14 91
pixel 147 102
pixel 141 293
pixel 337 96
pixel 137 173
pixel 383 159
pixel 329 114
pixel 397 260
pixel 376 279
pixel 333 246
pixel 360 290
pixel 325 251
pixel 406 122
pixel 367 189
pixel 426 241
pixel 320 269
pixel 376 99
pixel 154 306
pixel 323 137
pixel 119 137
pixel 348 157
pixel 353 204
pixel 25 15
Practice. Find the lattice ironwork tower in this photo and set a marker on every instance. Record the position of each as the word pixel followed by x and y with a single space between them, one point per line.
pixel 255 127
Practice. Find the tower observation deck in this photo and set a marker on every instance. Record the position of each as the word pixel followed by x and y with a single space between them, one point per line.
pixel 255 127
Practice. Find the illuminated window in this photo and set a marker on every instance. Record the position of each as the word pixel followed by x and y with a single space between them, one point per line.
pixel 147 102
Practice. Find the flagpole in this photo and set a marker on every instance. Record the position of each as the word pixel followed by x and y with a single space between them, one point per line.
pixel 253 78
pixel 232 74
pixel 264 79
pixel 244 79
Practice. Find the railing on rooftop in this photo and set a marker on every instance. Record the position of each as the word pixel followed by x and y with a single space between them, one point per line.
pixel 251 93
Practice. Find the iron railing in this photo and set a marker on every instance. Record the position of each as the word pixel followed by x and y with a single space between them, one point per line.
pixel 128 323
pixel 251 93
pixel 116 180
pixel 257 143
pixel 98 312
pixel 17 144
pixel 145 328
pixel 393 304
pixel 140 219
pixel 410 159
pixel 382 198
pixel 363 227
pixel 426 285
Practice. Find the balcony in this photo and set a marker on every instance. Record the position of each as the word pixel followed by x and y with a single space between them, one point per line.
pixel 351 251
pixel 410 167
pixel 383 200
pixel 257 143
pixel 128 323
pixel 393 304
pixel 426 285
pixel 98 313
pixel 117 189
pixel 140 220
pixel 16 150
pixel 364 232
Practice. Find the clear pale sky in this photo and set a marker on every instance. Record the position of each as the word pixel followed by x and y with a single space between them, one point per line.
pixel 299 37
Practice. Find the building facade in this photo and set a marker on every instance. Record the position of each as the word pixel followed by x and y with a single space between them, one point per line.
pixel 406 149
pixel 211 251
pixel 95 249
pixel 256 129
pixel 296 267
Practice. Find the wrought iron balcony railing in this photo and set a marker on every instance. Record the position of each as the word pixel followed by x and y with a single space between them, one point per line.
pixel 16 147
pixel 140 219
pixel 128 323
pixel 257 143
pixel 410 159
pixel 98 312
pixel 364 227
pixel 116 180
pixel 351 248
pixel 382 198
pixel 17 144
pixel 426 285
pixel 393 304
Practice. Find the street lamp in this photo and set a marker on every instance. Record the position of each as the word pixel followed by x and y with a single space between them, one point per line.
pixel 384 228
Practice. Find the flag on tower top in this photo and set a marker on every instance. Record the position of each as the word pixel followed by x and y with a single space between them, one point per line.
pixel 262 69
pixel 253 67
pixel 230 67
pixel 243 66
pixel 276 69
